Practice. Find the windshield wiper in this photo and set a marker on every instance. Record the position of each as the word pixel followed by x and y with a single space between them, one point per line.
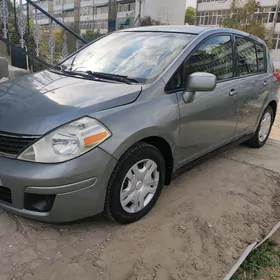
pixel 98 75
pixel 72 73
pixel 113 77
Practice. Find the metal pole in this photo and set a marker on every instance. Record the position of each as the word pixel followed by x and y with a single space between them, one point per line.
pixel 28 18
pixel 56 21
pixel 140 10
pixel 15 14
pixel 196 12
pixel 93 9
pixel 112 15
pixel 275 18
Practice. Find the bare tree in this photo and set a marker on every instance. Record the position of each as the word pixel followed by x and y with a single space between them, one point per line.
pixel 243 17
pixel 148 21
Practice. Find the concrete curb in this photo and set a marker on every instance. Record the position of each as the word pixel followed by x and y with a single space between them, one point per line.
pixel 4 67
pixel 249 249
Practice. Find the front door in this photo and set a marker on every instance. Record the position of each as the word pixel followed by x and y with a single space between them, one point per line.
pixel 209 121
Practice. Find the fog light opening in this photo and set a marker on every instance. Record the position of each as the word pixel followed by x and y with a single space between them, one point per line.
pixel 38 203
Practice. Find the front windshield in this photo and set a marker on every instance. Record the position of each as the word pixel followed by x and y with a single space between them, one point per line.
pixel 140 55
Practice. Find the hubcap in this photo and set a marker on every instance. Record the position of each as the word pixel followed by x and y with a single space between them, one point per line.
pixel 264 127
pixel 139 186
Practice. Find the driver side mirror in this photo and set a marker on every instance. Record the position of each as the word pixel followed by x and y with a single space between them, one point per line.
pixel 199 81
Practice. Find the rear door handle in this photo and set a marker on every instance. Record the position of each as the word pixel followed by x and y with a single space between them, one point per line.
pixel 233 92
pixel 265 83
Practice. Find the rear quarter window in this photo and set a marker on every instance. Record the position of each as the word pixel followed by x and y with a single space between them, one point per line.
pixel 261 57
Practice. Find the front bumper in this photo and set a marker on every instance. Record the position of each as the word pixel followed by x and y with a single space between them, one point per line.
pixel 78 186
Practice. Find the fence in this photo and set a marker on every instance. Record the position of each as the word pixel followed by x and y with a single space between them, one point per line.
pixel 30 41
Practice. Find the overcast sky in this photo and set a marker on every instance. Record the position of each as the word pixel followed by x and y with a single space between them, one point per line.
pixel 191 3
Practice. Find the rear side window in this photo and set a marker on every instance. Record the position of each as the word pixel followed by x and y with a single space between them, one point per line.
pixel 246 57
pixel 214 56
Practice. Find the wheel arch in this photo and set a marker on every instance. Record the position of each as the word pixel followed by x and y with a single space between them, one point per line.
pixel 273 105
pixel 163 146
pixel 154 136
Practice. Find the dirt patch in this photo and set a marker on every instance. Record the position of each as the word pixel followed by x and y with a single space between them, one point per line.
pixel 201 224
pixel 199 227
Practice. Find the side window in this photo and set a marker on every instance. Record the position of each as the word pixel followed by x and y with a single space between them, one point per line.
pixel 246 57
pixel 214 56
pixel 261 58
pixel 176 82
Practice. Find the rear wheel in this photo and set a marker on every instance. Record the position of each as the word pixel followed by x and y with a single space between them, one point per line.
pixel 135 184
pixel 263 131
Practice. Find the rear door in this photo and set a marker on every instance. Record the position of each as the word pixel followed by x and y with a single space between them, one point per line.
pixel 254 80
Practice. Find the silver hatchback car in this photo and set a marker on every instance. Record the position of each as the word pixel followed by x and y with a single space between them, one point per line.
pixel 107 128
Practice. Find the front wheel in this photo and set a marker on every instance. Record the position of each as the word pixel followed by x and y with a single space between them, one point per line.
pixel 135 184
pixel 263 130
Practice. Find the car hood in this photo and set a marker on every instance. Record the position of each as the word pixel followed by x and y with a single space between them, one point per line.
pixel 38 103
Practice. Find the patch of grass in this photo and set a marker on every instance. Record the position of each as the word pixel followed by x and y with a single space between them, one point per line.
pixel 265 257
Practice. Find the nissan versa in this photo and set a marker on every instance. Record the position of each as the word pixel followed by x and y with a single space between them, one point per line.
pixel 105 129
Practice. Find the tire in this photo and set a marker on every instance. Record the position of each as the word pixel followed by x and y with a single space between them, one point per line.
pixel 140 156
pixel 256 142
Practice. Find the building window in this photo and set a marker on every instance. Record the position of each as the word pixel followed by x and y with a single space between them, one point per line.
pixel 101 10
pixel 276 41
pixel 263 14
pixel 101 24
pixel 211 18
pixel 68 14
pixel 87 25
pixel 127 7
pixel 85 11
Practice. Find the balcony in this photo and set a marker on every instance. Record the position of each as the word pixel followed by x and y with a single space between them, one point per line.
pixel 67 7
pixel 101 16
pixel 86 18
pixel 87 3
pixel 100 2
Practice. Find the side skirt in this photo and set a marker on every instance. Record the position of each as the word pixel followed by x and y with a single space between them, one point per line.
pixel 210 155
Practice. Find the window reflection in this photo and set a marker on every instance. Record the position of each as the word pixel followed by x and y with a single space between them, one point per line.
pixel 247 60
pixel 215 56
pixel 142 55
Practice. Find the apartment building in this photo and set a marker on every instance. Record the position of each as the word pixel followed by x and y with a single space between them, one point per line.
pixel 95 14
pixel 211 12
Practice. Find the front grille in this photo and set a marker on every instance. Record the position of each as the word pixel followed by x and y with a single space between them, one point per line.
pixel 11 145
pixel 5 195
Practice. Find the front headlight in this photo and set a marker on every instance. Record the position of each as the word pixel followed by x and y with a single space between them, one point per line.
pixel 67 142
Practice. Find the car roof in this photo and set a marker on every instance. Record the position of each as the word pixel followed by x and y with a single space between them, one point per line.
pixel 170 28
pixel 191 29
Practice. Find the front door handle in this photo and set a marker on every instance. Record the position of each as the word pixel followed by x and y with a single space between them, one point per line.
pixel 233 92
